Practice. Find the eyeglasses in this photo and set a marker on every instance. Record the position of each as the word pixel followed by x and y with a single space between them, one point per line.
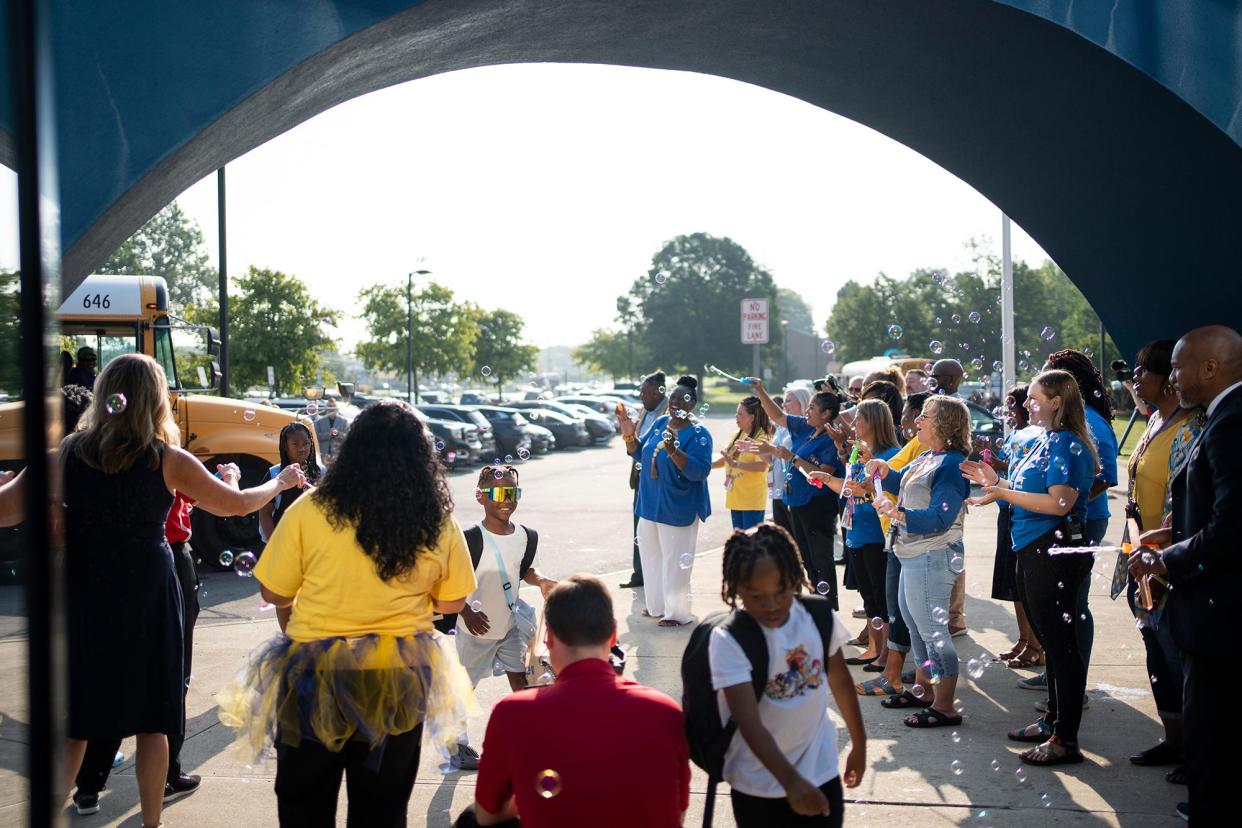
pixel 503 494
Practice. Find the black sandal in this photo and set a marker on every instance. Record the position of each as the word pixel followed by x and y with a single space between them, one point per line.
pixel 1043 731
pixel 854 661
pixel 929 717
pixel 873 667
pixel 904 701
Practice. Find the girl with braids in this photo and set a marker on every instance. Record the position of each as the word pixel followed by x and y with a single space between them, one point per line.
pixel 296 449
pixel 1099 410
pixel 782 764
pixel 927 522
pixel 746 491
pixel 1047 491
pixel 364 561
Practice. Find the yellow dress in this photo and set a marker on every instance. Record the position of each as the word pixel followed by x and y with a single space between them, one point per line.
pixel 746 491
pixel 360 658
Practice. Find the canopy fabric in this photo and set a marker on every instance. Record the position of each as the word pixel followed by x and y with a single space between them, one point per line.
pixel 1110 132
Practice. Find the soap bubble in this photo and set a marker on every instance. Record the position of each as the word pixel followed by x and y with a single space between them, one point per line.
pixel 486 370
pixel 977 364
pixel 685 561
pixel 248 415
pixel 662 389
pixel 1066 617
pixel 115 404
pixel 938 278
pixel 877 623
pixel 998 366
pixel 498 474
pixel 1045 800
pixel 1020 775
pixel 995 765
pixel 548 783
pixel 936 346
pixel 823 588
pixel 940 615
pixel 957 318
pixel 1048 333
pixel 508 458
pixel 917 691
pixel 956 767
pixel 975 668
pixel 523 454
pixel 312 408
pixel 974 317
pixel 957 564
pixel 226 558
pixel 476 606
pixel 439 445
pixel 1075 448
pixel 895 331
pixel 244 564
pixel 661 277
pixel 827 346
pixel 638 467
pixel 956 737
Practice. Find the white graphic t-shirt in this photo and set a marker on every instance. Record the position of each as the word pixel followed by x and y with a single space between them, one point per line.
pixel 794 707
pixel 490 591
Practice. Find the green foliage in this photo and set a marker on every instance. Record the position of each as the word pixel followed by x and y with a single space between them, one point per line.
pixel 499 347
pixel 608 352
pixel 169 245
pixel 10 341
pixel 275 321
pixel 444 330
pixel 794 310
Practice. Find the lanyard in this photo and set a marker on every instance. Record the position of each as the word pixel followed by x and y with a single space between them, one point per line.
pixel 500 566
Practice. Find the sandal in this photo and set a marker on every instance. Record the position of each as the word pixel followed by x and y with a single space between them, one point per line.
pixel 930 717
pixel 903 700
pixel 1037 732
pixel 649 615
pixel 1177 776
pixel 877 687
pixel 1014 651
pixel 873 667
pixel 854 661
pixel 1052 752
pixel 1029 657
pixel 669 622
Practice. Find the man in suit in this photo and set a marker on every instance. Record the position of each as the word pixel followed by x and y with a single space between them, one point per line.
pixel 1200 555
pixel 655 405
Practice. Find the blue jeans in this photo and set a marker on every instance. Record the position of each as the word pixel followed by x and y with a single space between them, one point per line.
pixel 1093 532
pixel 746 519
pixel 898 632
pixel 926 584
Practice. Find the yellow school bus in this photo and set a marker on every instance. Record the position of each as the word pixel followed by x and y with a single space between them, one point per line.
pixel 126 314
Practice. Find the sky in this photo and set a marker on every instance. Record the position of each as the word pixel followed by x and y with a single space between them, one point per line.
pixel 546 189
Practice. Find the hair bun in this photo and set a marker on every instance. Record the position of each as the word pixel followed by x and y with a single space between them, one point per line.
pixel 688 381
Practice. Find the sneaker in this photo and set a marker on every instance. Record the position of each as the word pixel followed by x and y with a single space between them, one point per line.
pixel 1039 682
pixel 181 785
pixel 86 803
pixel 118 760
pixel 466 758
pixel 1042 706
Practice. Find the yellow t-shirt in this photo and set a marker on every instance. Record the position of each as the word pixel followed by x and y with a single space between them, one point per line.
pixel 339 592
pixel 898 461
pixel 748 490
pixel 1152 478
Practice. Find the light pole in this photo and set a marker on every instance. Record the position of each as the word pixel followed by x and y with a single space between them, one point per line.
pixel 411 388
pixel 785 350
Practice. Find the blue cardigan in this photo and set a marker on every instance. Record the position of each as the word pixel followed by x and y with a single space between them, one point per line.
pixel 675 497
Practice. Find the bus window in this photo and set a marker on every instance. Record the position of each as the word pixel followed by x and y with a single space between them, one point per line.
pixel 107 342
pixel 164 355
pixel 193 359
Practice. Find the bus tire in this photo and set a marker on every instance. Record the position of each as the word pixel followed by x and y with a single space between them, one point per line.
pixel 213 536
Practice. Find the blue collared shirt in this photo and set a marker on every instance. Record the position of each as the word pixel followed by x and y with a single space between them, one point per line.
pixel 675 497
pixel 819 449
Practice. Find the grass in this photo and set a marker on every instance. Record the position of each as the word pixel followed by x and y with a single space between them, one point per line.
pixel 717 394
pixel 1119 428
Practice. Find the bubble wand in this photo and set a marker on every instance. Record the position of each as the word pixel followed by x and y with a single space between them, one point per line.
pixel 712 369
pixel 847 520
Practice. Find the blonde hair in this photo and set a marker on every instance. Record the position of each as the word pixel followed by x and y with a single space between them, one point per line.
pixel 951 422
pixel 879 417
pixel 1072 415
pixel 129 420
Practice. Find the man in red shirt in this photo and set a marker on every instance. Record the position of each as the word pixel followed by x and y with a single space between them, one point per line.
pixel 575 752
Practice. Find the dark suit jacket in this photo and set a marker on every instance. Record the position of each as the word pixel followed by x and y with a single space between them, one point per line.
pixel 1204 558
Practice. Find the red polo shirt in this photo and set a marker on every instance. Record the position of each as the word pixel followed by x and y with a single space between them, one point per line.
pixel 612 751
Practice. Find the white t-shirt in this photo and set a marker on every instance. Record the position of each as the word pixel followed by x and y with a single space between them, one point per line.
pixel 794 707
pixel 490 590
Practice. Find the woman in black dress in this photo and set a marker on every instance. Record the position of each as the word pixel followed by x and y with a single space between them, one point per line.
pixel 123 600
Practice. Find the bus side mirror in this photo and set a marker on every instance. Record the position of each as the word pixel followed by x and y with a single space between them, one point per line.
pixel 346 390
pixel 213 344
pixel 215 374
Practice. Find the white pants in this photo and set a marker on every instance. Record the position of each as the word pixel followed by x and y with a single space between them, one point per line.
pixel 667 553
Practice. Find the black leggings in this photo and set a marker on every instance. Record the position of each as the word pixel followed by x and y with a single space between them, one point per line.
pixel 1048 589
pixel 308 782
pixel 780 516
pixel 761 812
pixel 870 565
pixel 814 529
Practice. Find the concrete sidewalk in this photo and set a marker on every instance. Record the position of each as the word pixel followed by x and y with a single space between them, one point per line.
pixel 910 778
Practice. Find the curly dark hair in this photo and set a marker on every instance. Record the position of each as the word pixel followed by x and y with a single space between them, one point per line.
pixel 77 399
pixel 688 385
pixel 312 468
pixel 388 484
pixel 829 403
pixel 744 548
pixel 488 474
pixel 1090 383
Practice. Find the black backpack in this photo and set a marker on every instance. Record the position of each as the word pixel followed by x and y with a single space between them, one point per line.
pixel 709 739
pixel 474 543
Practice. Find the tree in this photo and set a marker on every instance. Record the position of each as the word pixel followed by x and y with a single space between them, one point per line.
pixel 10 334
pixel 794 310
pixel 685 312
pixel 275 321
pixel 608 352
pixel 499 352
pixel 444 330
pixel 169 245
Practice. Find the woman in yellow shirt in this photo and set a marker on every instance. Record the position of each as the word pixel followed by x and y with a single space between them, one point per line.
pixel 746 473
pixel 361 562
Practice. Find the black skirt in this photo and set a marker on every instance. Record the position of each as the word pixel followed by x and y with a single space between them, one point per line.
pixel 1005 568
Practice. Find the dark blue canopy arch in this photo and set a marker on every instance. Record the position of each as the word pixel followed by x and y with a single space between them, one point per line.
pixel 1066 119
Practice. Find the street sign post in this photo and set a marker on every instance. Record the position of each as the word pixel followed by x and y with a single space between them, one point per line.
pixel 755 327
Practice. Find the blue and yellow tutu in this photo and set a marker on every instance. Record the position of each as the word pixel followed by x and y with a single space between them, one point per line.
pixel 336 689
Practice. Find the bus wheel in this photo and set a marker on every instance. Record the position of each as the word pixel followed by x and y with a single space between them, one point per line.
pixel 217 541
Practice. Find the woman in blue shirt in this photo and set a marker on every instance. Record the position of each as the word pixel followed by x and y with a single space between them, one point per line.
pixel 812 507
pixel 1048 490
pixel 673 460
pixel 1099 408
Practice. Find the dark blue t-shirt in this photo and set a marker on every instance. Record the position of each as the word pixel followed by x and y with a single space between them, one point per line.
pixel 1106 445
pixel 818 449
pixel 1057 458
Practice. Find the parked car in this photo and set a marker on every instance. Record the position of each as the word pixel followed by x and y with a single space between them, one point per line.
pixel 471 416
pixel 599 427
pixel 511 430
pixel 986 429
pixel 568 430
pixel 475 398
pixel 602 404
pixel 457 443
pixel 541 439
